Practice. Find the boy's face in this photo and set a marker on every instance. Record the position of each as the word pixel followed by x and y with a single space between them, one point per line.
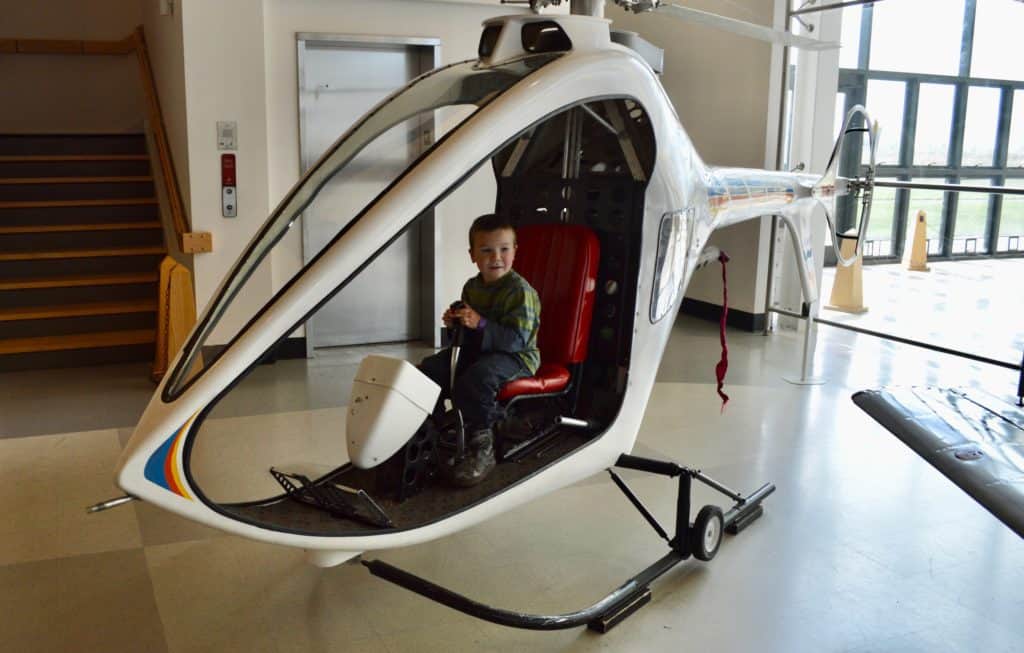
pixel 493 252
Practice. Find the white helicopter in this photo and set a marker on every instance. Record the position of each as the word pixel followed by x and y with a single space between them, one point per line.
pixel 593 166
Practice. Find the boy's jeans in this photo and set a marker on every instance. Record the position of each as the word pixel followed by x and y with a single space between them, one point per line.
pixel 479 379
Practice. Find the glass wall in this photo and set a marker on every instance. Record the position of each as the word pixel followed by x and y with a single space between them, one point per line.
pixel 944 80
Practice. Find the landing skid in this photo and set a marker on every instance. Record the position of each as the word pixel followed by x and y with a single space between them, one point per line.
pixel 699 539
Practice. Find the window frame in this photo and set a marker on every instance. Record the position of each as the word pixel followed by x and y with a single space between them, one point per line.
pixel 853 83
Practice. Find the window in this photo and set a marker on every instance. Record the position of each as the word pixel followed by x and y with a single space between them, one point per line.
pixel 980 127
pixel 931 142
pixel 850 50
pixel 971 219
pixel 880 227
pixel 933 48
pixel 1015 151
pixel 932 203
pixel 670 264
pixel 959 93
pixel 998 48
pixel 1011 226
pixel 885 103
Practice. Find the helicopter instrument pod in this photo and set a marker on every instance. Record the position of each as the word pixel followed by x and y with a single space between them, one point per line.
pixel 390 399
pixel 567 127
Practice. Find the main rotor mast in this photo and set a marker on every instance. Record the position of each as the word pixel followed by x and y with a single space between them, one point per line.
pixel 591 7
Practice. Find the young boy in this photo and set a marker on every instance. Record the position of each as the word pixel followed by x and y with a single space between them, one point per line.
pixel 500 316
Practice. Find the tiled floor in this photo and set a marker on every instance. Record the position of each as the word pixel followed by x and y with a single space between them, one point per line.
pixel 862 548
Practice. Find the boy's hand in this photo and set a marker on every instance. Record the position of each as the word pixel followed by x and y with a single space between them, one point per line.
pixel 466 315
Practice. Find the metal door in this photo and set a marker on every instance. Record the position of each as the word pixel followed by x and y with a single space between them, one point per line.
pixel 340 79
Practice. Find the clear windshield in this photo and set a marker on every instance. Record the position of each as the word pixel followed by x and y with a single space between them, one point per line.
pixel 465 84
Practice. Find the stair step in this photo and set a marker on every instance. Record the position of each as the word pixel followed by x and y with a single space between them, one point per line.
pixel 73 180
pixel 34 158
pixel 82 253
pixel 42 204
pixel 77 341
pixel 106 226
pixel 71 144
pixel 71 281
pixel 77 310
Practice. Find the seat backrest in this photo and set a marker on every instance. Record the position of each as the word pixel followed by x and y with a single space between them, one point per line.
pixel 560 262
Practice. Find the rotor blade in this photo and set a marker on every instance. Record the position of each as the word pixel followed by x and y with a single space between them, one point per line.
pixel 744 28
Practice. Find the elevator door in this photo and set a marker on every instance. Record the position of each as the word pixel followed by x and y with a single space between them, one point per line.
pixel 339 82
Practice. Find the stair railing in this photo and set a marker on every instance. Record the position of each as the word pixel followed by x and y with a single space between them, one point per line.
pixel 163 148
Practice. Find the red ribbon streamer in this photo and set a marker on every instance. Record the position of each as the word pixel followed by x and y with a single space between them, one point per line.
pixel 723 363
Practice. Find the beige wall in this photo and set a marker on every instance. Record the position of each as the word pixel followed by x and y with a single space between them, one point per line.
pixel 69 94
pixel 720 85
pixel 224 80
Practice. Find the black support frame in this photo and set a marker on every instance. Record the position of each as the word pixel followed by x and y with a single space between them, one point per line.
pixel 628 597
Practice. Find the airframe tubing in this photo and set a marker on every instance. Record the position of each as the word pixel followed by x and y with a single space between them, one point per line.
pixel 635 585
pixel 625 599
pixel 838 5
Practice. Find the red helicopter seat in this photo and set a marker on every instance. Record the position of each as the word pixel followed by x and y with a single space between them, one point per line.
pixel 560 262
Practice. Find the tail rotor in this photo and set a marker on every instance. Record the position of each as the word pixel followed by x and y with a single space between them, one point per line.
pixel 832 186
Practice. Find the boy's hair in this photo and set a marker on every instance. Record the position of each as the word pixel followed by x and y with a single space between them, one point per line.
pixel 489 222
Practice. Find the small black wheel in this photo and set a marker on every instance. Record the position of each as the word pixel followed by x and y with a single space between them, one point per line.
pixel 706 534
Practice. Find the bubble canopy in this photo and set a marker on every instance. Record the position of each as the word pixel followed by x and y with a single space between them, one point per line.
pixel 464 84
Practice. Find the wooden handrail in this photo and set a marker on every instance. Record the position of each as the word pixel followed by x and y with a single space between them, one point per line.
pixel 135 43
pixel 163 148
pixel 54 46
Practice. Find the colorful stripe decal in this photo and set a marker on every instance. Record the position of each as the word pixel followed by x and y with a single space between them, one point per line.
pixel 164 467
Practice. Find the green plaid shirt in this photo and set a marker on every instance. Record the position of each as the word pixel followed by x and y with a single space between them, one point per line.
pixel 512 309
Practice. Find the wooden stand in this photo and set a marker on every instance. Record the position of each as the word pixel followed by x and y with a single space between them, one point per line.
pixel 176 313
pixel 915 255
pixel 848 287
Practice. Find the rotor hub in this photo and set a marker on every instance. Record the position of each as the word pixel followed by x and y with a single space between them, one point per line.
pixel 595 7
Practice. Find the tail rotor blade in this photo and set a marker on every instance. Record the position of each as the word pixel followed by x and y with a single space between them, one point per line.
pixel 831 186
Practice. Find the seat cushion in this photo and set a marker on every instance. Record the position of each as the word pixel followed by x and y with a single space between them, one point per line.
pixel 560 262
pixel 549 378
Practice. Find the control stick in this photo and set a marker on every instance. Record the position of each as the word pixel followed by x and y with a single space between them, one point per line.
pixel 458 334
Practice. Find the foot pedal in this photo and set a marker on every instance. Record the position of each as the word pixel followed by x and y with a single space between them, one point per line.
pixel 745 519
pixel 334 498
pixel 536 444
pixel 621 610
